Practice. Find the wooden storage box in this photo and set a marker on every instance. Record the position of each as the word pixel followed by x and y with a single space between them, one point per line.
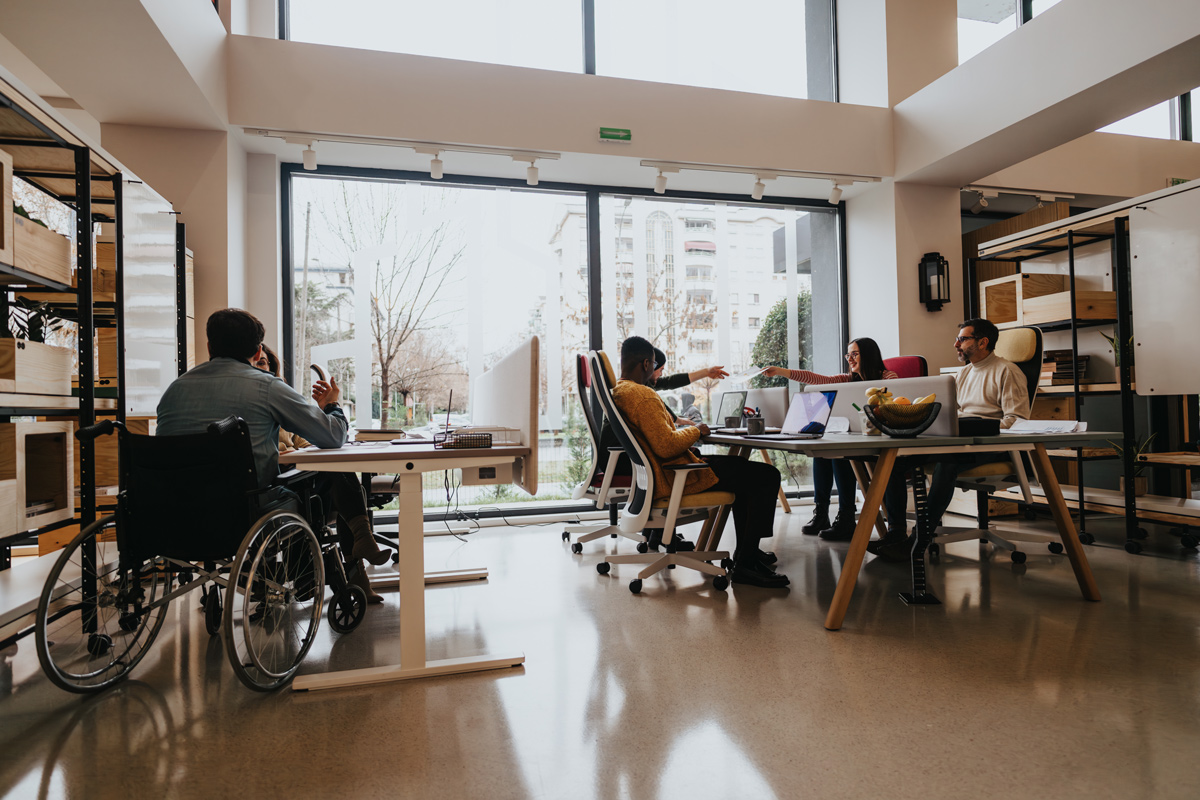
pixel 39 250
pixel 1089 305
pixel 106 347
pixel 8 499
pixel 965 502
pixel 106 450
pixel 33 368
pixel 6 208
pixel 40 457
pixel 1003 300
pixel 104 279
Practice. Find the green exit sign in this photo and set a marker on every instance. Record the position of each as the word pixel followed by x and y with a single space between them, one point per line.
pixel 616 135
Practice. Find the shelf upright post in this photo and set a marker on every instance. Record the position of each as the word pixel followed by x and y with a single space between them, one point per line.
pixel 119 297
pixel 1122 279
pixel 87 367
pixel 1075 380
pixel 181 328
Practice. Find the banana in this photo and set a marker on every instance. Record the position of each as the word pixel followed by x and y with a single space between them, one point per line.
pixel 929 398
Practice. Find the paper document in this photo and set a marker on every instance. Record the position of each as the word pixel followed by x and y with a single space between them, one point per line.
pixel 745 375
pixel 1027 426
pixel 838 425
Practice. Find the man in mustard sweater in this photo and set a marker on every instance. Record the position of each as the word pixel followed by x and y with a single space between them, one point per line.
pixel 756 485
pixel 988 386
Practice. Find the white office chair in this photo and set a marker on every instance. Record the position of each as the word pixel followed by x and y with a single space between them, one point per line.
pixel 643 512
pixel 1023 347
pixel 602 485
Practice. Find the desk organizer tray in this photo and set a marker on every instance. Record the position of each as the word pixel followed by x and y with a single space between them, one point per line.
pixel 461 441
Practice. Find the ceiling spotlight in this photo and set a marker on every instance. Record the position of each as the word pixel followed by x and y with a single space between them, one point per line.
pixel 980 204
pixel 759 188
pixel 660 183
pixel 835 194
pixel 435 167
pixel 310 157
pixel 531 174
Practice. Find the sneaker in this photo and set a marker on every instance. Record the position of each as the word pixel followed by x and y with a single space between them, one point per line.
pixel 758 575
pixel 818 523
pixel 842 529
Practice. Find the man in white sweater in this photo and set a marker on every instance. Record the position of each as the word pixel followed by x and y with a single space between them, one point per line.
pixel 988 386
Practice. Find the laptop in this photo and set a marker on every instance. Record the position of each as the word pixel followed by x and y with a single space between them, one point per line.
pixel 943 386
pixel 733 404
pixel 807 417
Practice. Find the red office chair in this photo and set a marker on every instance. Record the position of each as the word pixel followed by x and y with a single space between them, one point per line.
pixel 908 366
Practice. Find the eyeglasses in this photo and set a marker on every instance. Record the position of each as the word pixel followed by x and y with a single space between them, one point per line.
pixel 852 356
pixel 961 339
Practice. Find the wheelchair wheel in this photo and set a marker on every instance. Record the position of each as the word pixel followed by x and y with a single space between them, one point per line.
pixel 95 620
pixel 347 608
pixel 273 601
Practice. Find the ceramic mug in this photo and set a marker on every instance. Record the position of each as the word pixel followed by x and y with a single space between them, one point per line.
pixel 733 422
pixel 756 425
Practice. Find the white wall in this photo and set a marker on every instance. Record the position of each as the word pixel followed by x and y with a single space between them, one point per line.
pixel 264 284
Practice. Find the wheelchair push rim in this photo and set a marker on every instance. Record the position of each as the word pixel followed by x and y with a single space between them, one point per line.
pixel 274 600
pixel 95 619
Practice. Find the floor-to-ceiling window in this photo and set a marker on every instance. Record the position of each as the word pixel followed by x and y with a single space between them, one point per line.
pixel 405 288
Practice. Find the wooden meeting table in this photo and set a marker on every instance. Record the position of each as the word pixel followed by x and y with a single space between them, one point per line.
pixel 408 462
pixel 887 449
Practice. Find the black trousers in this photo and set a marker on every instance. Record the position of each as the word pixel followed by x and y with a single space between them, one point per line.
pixel 756 486
pixel 342 493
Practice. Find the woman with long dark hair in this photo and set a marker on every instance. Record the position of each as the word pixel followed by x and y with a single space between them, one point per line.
pixel 866 364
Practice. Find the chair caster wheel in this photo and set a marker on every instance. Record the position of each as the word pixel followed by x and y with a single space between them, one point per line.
pixel 212 611
pixel 577 548
pixel 643 547
pixel 1189 540
pixel 1030 514
pixel 635 585
pixel 347 609
pixel 1142 533
pixel 1134 547
pixel 98 644
pixel 566 536
pixel 1018 557
pixel 1087 538
pixel 934 549
pixel 612 536
pixel 1055 547
pixel 603 567
pixel 128 622
pixel 720 583
pixel 726 563
pixel 670 566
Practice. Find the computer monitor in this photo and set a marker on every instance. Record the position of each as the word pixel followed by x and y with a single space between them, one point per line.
pixel 733 404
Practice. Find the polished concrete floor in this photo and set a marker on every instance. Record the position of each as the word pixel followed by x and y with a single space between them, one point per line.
pixel 1014 687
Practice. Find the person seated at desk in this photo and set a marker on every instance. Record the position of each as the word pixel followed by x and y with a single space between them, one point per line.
pixel 755 485
pixel 342 488
pixel 229 384
pixel 660 384
pixel 866 364
pixel 988 386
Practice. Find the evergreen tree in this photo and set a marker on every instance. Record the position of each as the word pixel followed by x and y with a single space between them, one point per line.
pixel 770 348
pixel 579 445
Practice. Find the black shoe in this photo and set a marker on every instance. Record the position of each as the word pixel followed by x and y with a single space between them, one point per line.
pixel 896 549
pixel 758 575
pixel 874 545
pixel 842 529
pixel 682 545
pixel 767 557
pixel 818 523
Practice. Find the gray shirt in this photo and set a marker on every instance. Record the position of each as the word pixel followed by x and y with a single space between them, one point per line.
pixel 224 386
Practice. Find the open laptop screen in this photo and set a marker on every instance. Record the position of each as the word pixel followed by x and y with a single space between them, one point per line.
pixel 733 404
pixel 809 412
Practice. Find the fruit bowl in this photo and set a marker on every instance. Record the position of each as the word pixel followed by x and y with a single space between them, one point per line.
pixel 903 421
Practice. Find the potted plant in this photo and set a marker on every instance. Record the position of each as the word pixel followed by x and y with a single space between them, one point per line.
pixel 1112 341
pixel 1140 481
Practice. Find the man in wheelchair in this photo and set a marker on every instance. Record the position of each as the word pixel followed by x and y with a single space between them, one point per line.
pixel 229 384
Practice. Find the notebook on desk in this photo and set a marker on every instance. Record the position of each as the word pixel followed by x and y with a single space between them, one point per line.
pixel 807 417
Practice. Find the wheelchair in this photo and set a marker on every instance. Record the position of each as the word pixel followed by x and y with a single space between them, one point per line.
pixel 181 522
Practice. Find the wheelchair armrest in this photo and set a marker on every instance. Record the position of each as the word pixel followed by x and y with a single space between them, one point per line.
pixel 292 477
pixel 616 449
pixel 684 467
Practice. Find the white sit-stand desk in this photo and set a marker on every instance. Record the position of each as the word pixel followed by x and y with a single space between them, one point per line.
pixel 887 450
pixel 408 462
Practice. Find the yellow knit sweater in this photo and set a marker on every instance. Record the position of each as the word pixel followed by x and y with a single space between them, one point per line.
pixel 660 440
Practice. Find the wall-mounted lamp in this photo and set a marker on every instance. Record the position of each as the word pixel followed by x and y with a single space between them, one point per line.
pixel 934 272
pixel 531 172
pixel 759 188
pixel 980 204
pixel 660 183
pixel 310 158
pixel 835 194
pixel 435 162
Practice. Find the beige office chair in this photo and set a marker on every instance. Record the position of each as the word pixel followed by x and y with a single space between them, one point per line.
pixel 1023 347
pixel 643 512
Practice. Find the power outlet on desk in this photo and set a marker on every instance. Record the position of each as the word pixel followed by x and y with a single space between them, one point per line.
pixel 487 476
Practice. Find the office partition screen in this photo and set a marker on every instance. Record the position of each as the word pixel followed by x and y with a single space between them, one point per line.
pixel 405 288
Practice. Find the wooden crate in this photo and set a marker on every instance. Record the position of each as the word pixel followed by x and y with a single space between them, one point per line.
pixel 104 279
pixel 39 250
pixel 106 450
pixel 33 369
pixel 106 348
pixel 1057 307
pixel 39 455
pixel 6 208
pixel 964 503
pixel 1003 300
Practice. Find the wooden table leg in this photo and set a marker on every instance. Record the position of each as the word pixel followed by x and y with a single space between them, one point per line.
pixel 787 508
pixel 864 482
pixel 1066 526
pixel 858 544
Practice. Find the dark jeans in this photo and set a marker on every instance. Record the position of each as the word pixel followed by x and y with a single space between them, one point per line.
pixel 827 471
pixel 941 489
pixel 756 486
